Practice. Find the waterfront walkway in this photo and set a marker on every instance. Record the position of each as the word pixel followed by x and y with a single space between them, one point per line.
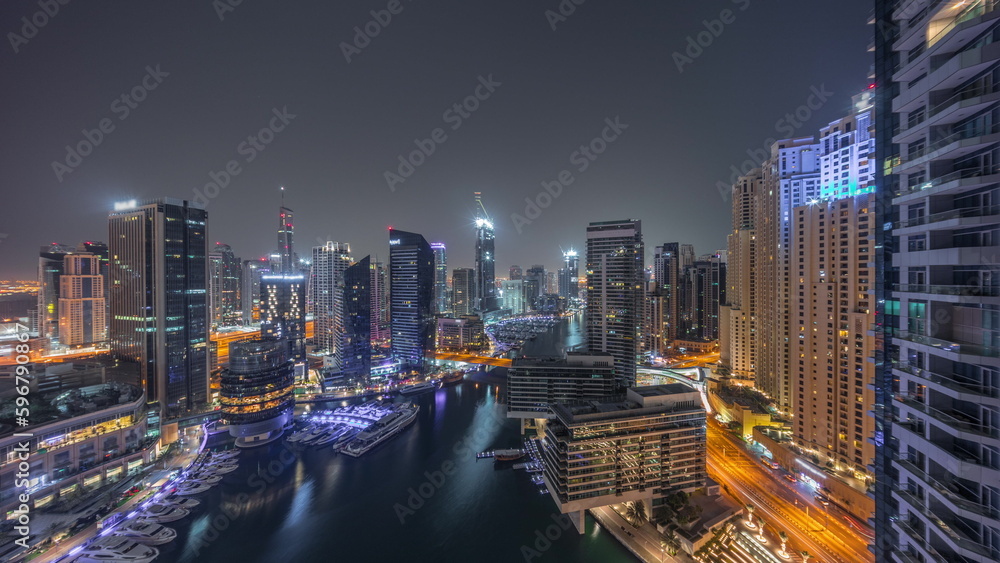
pixel 644 542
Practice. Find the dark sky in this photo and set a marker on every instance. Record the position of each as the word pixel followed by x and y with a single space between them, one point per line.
pixel 353 120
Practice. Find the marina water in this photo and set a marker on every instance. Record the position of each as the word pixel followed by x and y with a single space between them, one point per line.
pixel 421 497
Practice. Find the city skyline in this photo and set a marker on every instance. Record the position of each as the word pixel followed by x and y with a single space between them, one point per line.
pixel 191 125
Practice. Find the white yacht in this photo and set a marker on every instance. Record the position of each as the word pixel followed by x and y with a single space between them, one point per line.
pixel 163 512
pixel 220 468
pixel 113 548
pixel 419 388
pixel 225 454
pixel 146 532
pixel 180 502
pixel 387 427
pixel 192 488
pixel 207 477
pixel 305 434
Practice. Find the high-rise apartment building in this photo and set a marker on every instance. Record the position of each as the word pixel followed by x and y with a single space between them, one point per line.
pixel 738 318
pixel 51 260
pixel 937 432
pixel 534 285
pixel 411 296
pixel 82 308
pixel 326 281
pixel 615 292
pixel 224 286
pixel 159 299
pixel 832 340
pixel 380 306
pixel 513 296
pixel 847 151
pixel 250 289
pixel 569 275
pixel 516 273
pixel 442 298
pixel 791 179
pixel 667 270
pixel 463 291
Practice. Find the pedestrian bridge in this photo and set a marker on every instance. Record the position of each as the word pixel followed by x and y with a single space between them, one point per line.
pixel 470 359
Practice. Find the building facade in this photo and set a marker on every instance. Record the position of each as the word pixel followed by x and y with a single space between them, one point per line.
pixel 411 289
pixel 159 299
pixel 442 297
pixel 225 285
pixel 283 312
pixel 937 417
pixel 535 384
pixel 569 275
pixel 257 391
pixel 643 447
pixel 82 306
pixel 327 287
pixel 354 354
pixel 463 291
pixel 615 292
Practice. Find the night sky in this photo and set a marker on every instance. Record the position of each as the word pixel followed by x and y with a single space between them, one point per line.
pixel 215 83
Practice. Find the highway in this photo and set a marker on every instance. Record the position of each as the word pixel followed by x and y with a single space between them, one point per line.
pixel 783 506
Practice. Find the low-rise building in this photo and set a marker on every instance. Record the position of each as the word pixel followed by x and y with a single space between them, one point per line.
pixel 93 436
pixel 464 334
pixel 642 447
pixel 535 384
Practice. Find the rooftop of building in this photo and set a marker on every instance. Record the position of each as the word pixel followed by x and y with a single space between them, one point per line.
pixel 68 405
pixel 637 401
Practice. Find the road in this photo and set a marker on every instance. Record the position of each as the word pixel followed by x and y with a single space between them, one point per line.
pixel 783 506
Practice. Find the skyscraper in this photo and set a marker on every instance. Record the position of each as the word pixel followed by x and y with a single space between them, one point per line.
pixel 257 391
pixel 569 275
pixel 791 179
pixel 82 307
pixel 738 318
pixel 615 255
pixel 225 284
pixel 326 281
pixel 380 305
pixel 250 289
pixel 283 311
pixel 513 296
pixel 50 269
pixel 286 241
pixel 463 291
pixel 534 285
pixel 937 434
pixel 486 289
pixel 667 271
pixel 354 354
pixel 411 296
pixel 159 299
pixel 516 273
pixel 442 301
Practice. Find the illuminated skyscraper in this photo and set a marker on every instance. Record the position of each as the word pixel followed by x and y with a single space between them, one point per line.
pixel 380 305
pixel 283 311
pixel 224 286
pixel 257 391
pixel 569 275
pixel 286 241
pixel 354 354
pixel 327 277
pixel 411 290
pixel 463 291
pixel 50 269
pixel 615 293
pixel 81 301
pixel 159 299
pixel 442 302
pixel 486 289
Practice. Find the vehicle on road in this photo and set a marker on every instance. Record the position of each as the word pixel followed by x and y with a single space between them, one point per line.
pixel 790 478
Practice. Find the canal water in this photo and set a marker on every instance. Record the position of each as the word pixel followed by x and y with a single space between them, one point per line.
pixel 421 497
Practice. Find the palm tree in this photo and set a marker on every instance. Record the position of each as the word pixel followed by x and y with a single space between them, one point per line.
pixel 784 540
pixel 750 509
pixel 761 533
pixel 669 542
pixel 634 513
pixel 805 556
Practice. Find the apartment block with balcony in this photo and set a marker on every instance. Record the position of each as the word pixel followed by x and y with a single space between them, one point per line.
pixel 647 445
pixel 938 411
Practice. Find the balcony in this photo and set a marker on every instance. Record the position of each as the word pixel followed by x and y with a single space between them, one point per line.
pixel 951 494
pixel 965 391
pixel 991 211
pixel 951 146
pixel 964 426
pixel 951 535
pixel 948 346
pixel 958 179
pixel 956 290
pixel 917 539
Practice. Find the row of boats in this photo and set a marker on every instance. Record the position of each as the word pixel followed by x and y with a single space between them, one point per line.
pixel 513 333
pixel 355 430
pixel 132 538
